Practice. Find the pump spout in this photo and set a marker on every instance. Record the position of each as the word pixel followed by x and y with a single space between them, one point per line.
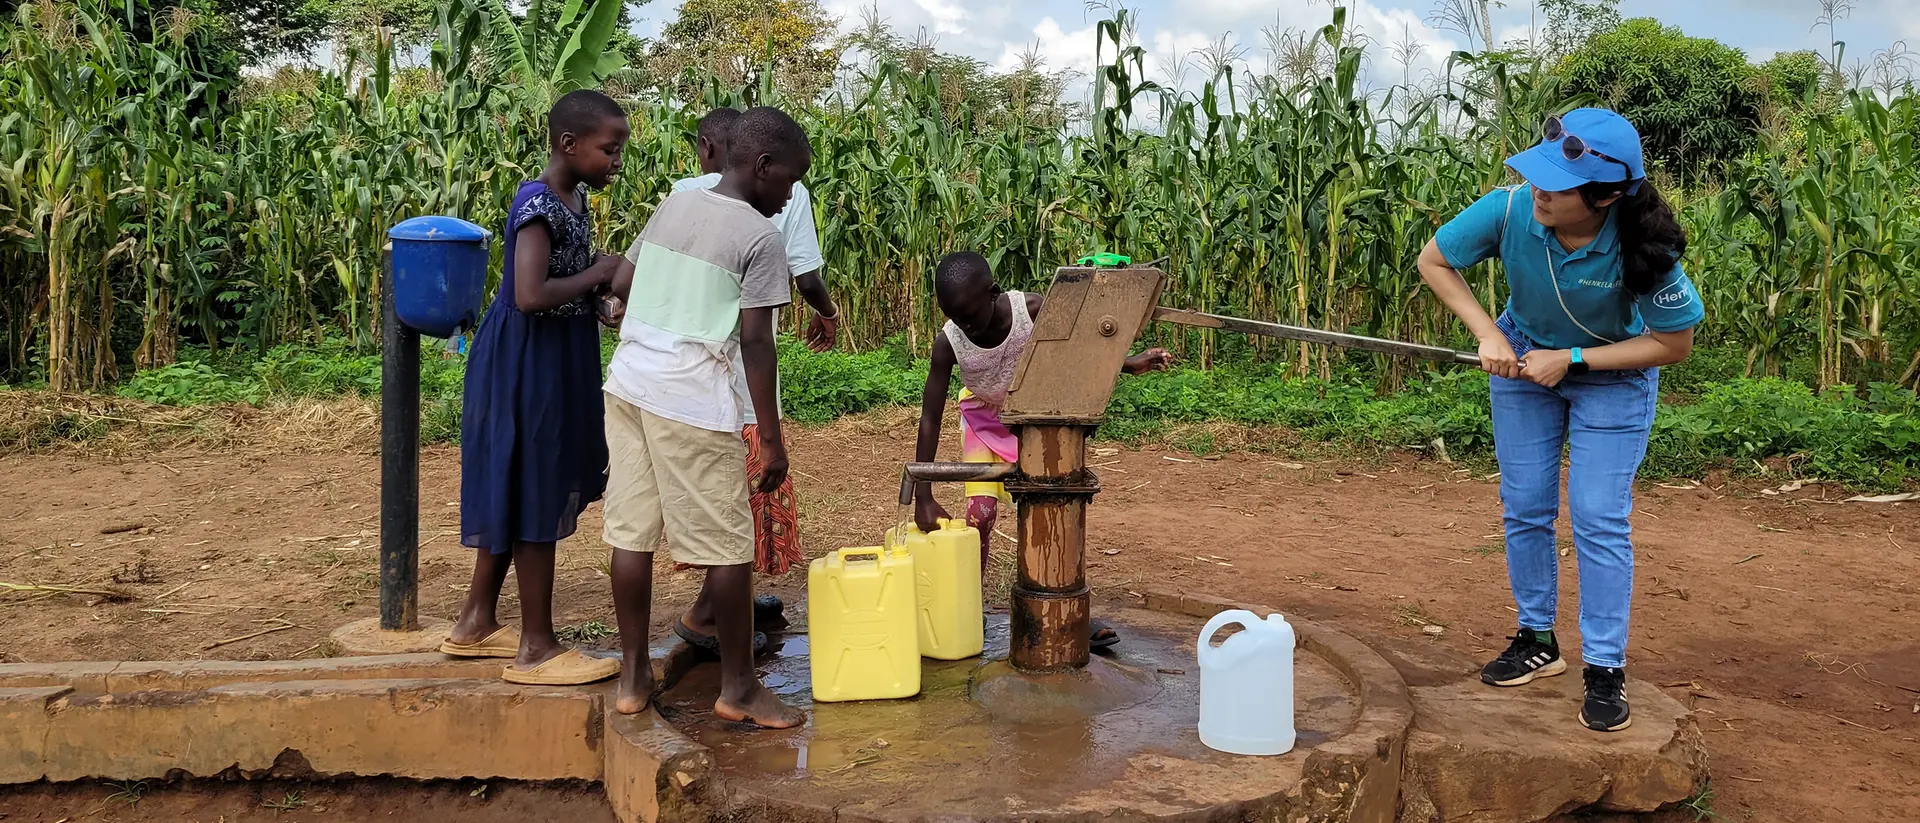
pixel 951 473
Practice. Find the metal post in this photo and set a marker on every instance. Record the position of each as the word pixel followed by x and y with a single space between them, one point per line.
pixel 399 468
pixel 1051 615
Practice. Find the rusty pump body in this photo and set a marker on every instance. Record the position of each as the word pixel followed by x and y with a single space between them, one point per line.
pixel 1059 395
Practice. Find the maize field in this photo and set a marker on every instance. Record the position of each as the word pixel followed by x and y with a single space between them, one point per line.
pixel 144 206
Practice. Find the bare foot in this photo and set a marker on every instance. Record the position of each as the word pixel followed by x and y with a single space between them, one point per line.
pixel 636 687
pixel 761 708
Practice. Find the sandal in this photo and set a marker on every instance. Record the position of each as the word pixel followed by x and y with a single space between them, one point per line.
pixel 504 642
pixel 711 643
pixel 568 668
pixel 769 613
pixel 1104 637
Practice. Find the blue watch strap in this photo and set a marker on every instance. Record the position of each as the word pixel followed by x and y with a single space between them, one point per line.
pixel 1576 355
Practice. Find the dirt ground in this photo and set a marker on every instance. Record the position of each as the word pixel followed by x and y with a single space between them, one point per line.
pixel 1788 621
pixel 284 801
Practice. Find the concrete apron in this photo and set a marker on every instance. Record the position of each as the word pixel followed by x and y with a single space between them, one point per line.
pixel 425 716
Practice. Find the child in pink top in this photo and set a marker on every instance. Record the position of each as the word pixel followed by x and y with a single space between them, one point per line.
pixel 987 330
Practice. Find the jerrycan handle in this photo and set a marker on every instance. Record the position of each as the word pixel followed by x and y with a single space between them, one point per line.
pixel 875 552
pixel 1205 649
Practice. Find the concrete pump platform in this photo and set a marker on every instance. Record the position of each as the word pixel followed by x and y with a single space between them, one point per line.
pixel 944 755
pixel 1371 747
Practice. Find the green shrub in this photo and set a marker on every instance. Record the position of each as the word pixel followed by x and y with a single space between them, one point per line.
pixel 190 383
pixel 1450 405
pixel 1872 441
pixel 331 369
pixel 816 388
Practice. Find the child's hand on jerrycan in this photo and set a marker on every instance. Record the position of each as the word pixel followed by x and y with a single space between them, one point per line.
pixel 927 513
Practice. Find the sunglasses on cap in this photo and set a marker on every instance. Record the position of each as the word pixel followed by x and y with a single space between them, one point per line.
pixel 1573 148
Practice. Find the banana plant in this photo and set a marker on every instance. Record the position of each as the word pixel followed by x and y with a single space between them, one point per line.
pixel 550 57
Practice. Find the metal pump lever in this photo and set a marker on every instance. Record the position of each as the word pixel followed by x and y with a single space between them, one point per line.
pixel 1330 338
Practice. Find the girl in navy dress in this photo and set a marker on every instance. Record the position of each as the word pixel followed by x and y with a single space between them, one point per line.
pixel 533 450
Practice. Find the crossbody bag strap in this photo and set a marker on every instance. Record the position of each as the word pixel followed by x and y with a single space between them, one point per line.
pixel 1553 276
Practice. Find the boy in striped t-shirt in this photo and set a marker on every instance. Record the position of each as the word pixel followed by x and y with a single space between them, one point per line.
pixel 709 272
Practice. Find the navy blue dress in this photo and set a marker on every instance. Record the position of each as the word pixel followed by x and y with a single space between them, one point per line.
pixel 533 447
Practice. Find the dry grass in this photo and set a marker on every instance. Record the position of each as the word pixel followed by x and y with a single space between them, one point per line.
pixel 105 426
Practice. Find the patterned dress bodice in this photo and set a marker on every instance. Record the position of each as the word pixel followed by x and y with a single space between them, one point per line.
pixel 571 251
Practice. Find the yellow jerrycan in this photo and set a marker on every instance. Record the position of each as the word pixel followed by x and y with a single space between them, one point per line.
pixel 860 612
pixel 952 622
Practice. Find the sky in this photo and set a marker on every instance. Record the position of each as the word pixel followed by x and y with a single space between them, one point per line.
pixel 1062 31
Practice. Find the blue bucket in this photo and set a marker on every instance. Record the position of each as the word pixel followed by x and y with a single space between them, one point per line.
pixel 439 274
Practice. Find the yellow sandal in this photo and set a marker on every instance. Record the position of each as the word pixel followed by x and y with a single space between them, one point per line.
pixel 568 668
pixel 504 642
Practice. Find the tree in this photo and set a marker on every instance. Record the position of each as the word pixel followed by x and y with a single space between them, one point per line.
pixel 1695 101
pixel 1571 23
pixel 249 30
pixel 267 28
pixel 739 40
pixel 410 21
pixel 1798 81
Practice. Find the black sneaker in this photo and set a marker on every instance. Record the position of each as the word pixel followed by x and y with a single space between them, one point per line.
pixel 1606 706
pixel 1532 655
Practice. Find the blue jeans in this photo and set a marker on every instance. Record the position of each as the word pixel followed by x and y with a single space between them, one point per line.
pixel 1606 417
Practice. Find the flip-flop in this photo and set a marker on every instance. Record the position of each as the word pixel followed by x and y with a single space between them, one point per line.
pixel 711 643
pixel 1098 642
pixel 568 668
pixel 769 612
pixel 504 642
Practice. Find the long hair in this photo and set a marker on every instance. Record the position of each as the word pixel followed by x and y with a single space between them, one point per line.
pixel 1651 239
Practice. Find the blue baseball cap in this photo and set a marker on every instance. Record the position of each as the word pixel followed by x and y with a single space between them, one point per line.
pixel 1547 168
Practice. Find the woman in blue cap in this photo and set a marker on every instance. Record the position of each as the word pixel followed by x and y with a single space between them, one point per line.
pixel 1598 304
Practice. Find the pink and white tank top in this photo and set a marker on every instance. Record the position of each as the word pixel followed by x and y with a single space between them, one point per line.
pixel 988 373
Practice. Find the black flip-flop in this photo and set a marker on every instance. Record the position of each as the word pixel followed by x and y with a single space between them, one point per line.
pixel 769 612
pixel 708 642
pixel 1110 638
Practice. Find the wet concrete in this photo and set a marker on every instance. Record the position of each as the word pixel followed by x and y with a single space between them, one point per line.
pixel 941 755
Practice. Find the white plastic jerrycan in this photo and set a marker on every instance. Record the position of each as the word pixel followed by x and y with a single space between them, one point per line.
pixel 1246 685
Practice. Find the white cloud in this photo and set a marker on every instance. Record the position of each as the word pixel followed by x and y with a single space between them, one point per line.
pixel 1172 38
pixel 947 17
pixel 958 26
pixel 1060 48
pixel 1063 32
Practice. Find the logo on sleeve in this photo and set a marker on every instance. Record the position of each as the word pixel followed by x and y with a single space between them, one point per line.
pixel 1673 297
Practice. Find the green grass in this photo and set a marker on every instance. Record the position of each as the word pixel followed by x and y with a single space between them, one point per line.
pixel 130 792
pixel 1710 417
pixel 1700 805
pixel 292 801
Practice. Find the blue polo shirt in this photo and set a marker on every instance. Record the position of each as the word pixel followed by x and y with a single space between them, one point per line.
pixel 1590 278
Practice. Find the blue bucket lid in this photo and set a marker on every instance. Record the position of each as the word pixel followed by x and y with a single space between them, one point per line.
pixel 439 229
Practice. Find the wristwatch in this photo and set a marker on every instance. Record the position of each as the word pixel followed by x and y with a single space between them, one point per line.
pixel 1578 365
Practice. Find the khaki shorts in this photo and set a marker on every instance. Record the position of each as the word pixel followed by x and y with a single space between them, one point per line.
pixel 688 483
